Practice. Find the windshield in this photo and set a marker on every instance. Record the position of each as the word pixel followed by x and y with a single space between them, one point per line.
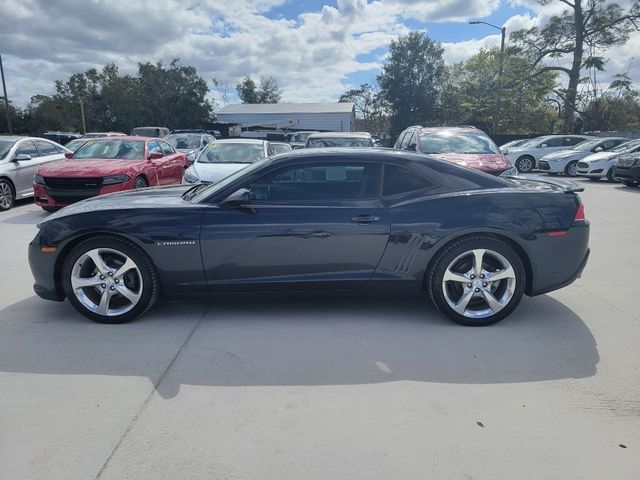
pixel 184 141
pixel 204 190
pixel 339 142
pixel 299 137
pixel 456 142
pixel 587 145
pixel 111 149
pixel 281 147
pixel 73 145
pixel 232 153
pixel 623 147
pixel 5 146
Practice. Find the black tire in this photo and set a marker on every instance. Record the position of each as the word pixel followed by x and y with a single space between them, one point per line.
pixel 7 195
pixel 51 209
pixel 629 183
pixel 571 170
pixel 457 248
pixel 140 183
pixel 149 284
pixel 525 164
pixel 610 177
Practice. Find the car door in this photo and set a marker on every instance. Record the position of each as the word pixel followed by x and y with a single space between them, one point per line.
pixel 162 165
pixel 315 225
pixel 176 160
pixel 25 169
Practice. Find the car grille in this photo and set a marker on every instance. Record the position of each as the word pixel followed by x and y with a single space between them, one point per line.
pixel 543 165
pixel 583 165
pixel 70 190
pixel 626 162
pixel 72 183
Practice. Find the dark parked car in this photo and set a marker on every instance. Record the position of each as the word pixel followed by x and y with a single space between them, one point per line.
pixel 339 139
pixel 319 219
pixel 627 169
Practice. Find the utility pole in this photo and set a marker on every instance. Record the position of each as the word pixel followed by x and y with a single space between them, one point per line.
pixel 84 125
pixel 496 112
pixel 5 98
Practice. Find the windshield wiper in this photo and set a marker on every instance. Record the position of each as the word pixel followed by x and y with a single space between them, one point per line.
pixel 189 194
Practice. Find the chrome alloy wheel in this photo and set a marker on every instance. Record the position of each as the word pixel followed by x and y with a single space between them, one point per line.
pixel 6 196
pixel 478 283
pixel 106 282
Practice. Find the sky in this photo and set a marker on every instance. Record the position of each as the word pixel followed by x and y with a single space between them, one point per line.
pixel 315 49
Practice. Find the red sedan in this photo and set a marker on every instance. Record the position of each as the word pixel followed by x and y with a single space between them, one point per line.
pixel 106 165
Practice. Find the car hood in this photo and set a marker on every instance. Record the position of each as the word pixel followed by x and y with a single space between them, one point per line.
pixel 164 197
pixel 214 172
pixel 565 155
pixel 596 157
pixel 88 168
pixel 485 162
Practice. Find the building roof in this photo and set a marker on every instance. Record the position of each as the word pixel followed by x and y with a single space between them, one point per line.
pixel 273 108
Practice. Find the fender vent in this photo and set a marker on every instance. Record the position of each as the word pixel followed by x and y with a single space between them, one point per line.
pixel 411 250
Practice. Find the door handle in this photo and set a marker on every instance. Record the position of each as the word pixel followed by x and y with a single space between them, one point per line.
pixel 365 219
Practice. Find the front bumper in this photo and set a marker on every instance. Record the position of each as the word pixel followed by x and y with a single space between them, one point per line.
pixel 47 197
pixel 553 167
pixel 592 170
pixel 631 174
pixel 43 270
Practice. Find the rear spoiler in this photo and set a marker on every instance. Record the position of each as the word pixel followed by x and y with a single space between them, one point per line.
pixel 568 186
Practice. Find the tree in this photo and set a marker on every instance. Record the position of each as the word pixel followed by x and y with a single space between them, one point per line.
pixel 222 87
pixel 362 98
pixel 585 26
pixel 617 108
pixel 468 96
pixel 268 92
pixel 411 80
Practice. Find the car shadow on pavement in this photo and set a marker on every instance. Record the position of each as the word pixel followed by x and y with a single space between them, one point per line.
pixel 309 340
pixel 27 218
pixel 624 188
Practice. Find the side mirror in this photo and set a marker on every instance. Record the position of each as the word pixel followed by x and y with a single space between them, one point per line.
pixel 237 199
pixel 544 145
pixel 598 149
pixel 68 154
pixel 155 155
pixel 21 157
pixel 191 156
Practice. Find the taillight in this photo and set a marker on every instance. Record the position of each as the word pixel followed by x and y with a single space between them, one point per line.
pixel 579 214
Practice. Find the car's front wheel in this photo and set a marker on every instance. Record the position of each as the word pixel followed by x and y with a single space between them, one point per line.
pixel 525 164
pixel 109 279
pixel 140 183
pixel 477 281
pixel 571 170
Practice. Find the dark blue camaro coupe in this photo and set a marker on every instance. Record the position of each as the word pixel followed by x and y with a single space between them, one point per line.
pixel 319 219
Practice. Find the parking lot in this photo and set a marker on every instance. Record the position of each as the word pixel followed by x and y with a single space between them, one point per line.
pixel 320 387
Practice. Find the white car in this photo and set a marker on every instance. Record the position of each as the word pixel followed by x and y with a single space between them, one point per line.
pixel 20 157
pixel 601 165
pixel 513 144
pixel 566 161
pixel 525 157
pixel 221 158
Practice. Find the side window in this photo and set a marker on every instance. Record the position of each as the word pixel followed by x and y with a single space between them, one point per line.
pixel 411 143
pixel 166 148
pixel 555 142
pixel 154 147
pixel 27 148
pixel 399 140
pixel 609 144
pixel 399 180
pixel 405 141
pixel 573 140
pixel 45 148
pixel 318 182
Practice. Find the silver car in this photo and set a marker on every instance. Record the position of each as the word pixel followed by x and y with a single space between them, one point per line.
pixel 20 157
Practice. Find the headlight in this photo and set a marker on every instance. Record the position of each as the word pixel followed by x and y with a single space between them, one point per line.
pixel 113 179
pixel 512 172
pixel 38 179
pixel 190 176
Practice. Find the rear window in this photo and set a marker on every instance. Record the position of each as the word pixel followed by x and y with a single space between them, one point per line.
pixel 456 142
pixel 339 142
pixel 399 180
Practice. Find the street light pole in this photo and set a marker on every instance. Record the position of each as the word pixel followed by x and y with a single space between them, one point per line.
pixel 496 112
pixel 5 98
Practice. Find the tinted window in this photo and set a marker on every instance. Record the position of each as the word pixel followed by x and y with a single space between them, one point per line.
pixel 456 142
pixel 399 180
pixel 111 149
pixel 339 142
pixel 573 140
pixel 186 141
pixel 5 146
pixel 154 148
pixel 405 140
pixel 316 182
pixel 166 148
pixel 554 142
pixel 27 148
pixel 45 148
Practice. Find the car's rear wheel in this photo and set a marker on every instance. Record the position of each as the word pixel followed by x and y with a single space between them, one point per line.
pixel 571 170
pixel 7 195
pixel 51 209
pixel 477 281
pixel 610 176
pixel 140 183
pixel 525 164
pixel 109 280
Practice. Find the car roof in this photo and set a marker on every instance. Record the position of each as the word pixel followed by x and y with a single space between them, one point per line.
pixel 254 141
pixel 340 135
pixel 15 138
pixel 449 129
pixel 118 138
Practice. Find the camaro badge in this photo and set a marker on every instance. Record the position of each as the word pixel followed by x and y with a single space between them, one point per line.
pixel 176 243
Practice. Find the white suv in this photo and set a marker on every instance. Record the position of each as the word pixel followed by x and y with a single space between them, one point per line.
pixel 525 157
